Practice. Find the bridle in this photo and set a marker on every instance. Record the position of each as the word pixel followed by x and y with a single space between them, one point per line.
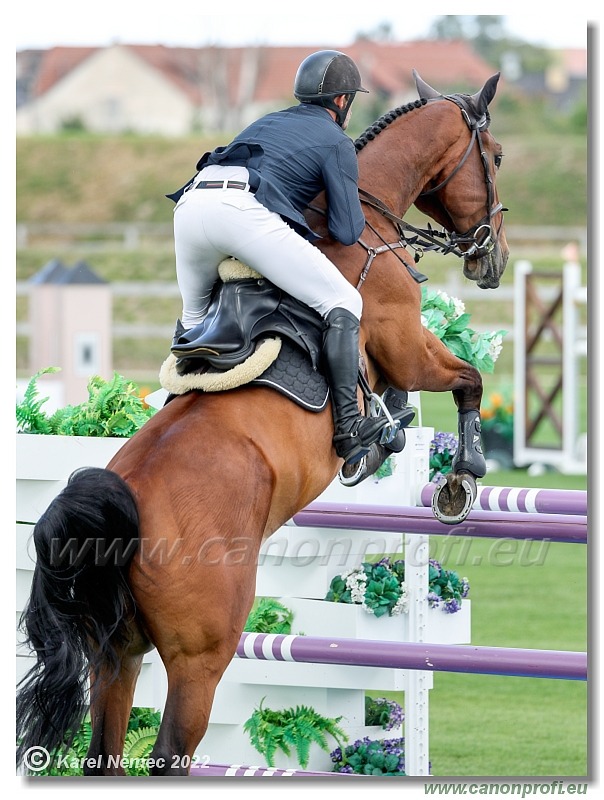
pixel 471 236
pixel 478 241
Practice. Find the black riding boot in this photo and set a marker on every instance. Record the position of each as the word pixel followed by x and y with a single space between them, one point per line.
pixel 354 433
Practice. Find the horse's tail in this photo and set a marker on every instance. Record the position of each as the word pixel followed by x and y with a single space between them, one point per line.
pixel 80 604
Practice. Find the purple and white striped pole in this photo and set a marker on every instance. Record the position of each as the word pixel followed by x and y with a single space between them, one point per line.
pixel 562 664
pixel 530 501
pixel 412 519
pixel 240 771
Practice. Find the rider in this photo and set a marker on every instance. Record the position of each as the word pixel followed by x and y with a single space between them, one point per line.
pixel 263 181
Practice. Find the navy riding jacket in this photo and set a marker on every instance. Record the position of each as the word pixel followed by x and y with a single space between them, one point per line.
pixel 291 156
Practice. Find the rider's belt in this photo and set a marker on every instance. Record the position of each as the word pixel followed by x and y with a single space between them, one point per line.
pixel 224 185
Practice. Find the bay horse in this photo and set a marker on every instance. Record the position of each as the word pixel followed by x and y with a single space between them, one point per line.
pixel 186 503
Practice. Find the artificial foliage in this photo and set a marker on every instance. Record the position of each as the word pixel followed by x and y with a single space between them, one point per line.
pixel 30 416
pixel 380 588
pixel 292 730
pixel 443 449
pixel 269 616
pixel 446 317
pixel 143 727
pixel 371 757
pixel 381 711
pixel 113 408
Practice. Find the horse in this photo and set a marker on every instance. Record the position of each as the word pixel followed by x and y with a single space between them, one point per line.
pixel 185 505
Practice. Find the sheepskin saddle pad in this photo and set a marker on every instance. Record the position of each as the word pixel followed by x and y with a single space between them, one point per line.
pixel 253 334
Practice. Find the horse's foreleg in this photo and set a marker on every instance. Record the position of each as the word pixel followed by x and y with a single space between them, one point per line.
pixel 110 706
pixel 432 367
pixel 453 500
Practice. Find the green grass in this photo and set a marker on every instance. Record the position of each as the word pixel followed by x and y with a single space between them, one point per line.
pixel 485 725
pixel 490 725
pixel 535 598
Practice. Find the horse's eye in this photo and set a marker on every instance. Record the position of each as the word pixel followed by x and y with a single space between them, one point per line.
pixel 498 159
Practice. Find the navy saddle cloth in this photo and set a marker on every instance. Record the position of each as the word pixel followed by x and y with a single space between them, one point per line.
pixel 245 312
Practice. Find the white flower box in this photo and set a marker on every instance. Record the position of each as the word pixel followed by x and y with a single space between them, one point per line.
pixel 44 463
pixel 347 621
pixel 51 458
pixel 300 561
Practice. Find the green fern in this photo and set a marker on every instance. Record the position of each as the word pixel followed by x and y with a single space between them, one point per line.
pixel 137 748
pixel 30 417
pixel 113 408
pixel 291 729
pixel 269 616
pixel 143 727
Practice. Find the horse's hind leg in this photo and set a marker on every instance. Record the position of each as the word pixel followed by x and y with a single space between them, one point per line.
pixel 196 645
pixel 110 706
pixel 192 681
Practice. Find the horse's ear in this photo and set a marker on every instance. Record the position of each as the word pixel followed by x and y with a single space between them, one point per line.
pixel 424 90
pixel 482 98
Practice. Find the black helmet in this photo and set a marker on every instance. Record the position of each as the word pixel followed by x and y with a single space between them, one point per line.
pixel 327 74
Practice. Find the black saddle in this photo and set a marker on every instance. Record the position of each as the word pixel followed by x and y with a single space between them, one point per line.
pixel 241 314
pixel 246 311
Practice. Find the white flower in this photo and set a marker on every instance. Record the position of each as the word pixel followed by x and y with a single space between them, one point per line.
pixel 443 295
pixel 459 307
pixel 495 346
pixel 402 604
pixel 356 581
pixel 424 320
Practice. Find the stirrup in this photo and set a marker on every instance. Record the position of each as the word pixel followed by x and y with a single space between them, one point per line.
pixel 352 446
pixel 377 408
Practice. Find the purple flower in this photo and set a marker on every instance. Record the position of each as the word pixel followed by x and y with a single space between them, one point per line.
pixel 443 443
pixel 451 606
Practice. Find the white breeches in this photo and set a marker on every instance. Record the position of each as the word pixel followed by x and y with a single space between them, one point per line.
pixel 212 224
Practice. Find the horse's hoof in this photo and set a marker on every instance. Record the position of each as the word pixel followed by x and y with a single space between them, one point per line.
pixel 453 499
pixel 353 474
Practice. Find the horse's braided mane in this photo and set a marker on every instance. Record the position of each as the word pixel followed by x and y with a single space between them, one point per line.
pixel 385 120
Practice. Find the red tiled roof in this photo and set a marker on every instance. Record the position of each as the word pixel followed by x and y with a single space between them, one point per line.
pixel 180 65
pixel 384 66
pixel 56 63
pixel 443 64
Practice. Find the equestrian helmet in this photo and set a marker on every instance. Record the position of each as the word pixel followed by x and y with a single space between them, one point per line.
pixel 325 75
